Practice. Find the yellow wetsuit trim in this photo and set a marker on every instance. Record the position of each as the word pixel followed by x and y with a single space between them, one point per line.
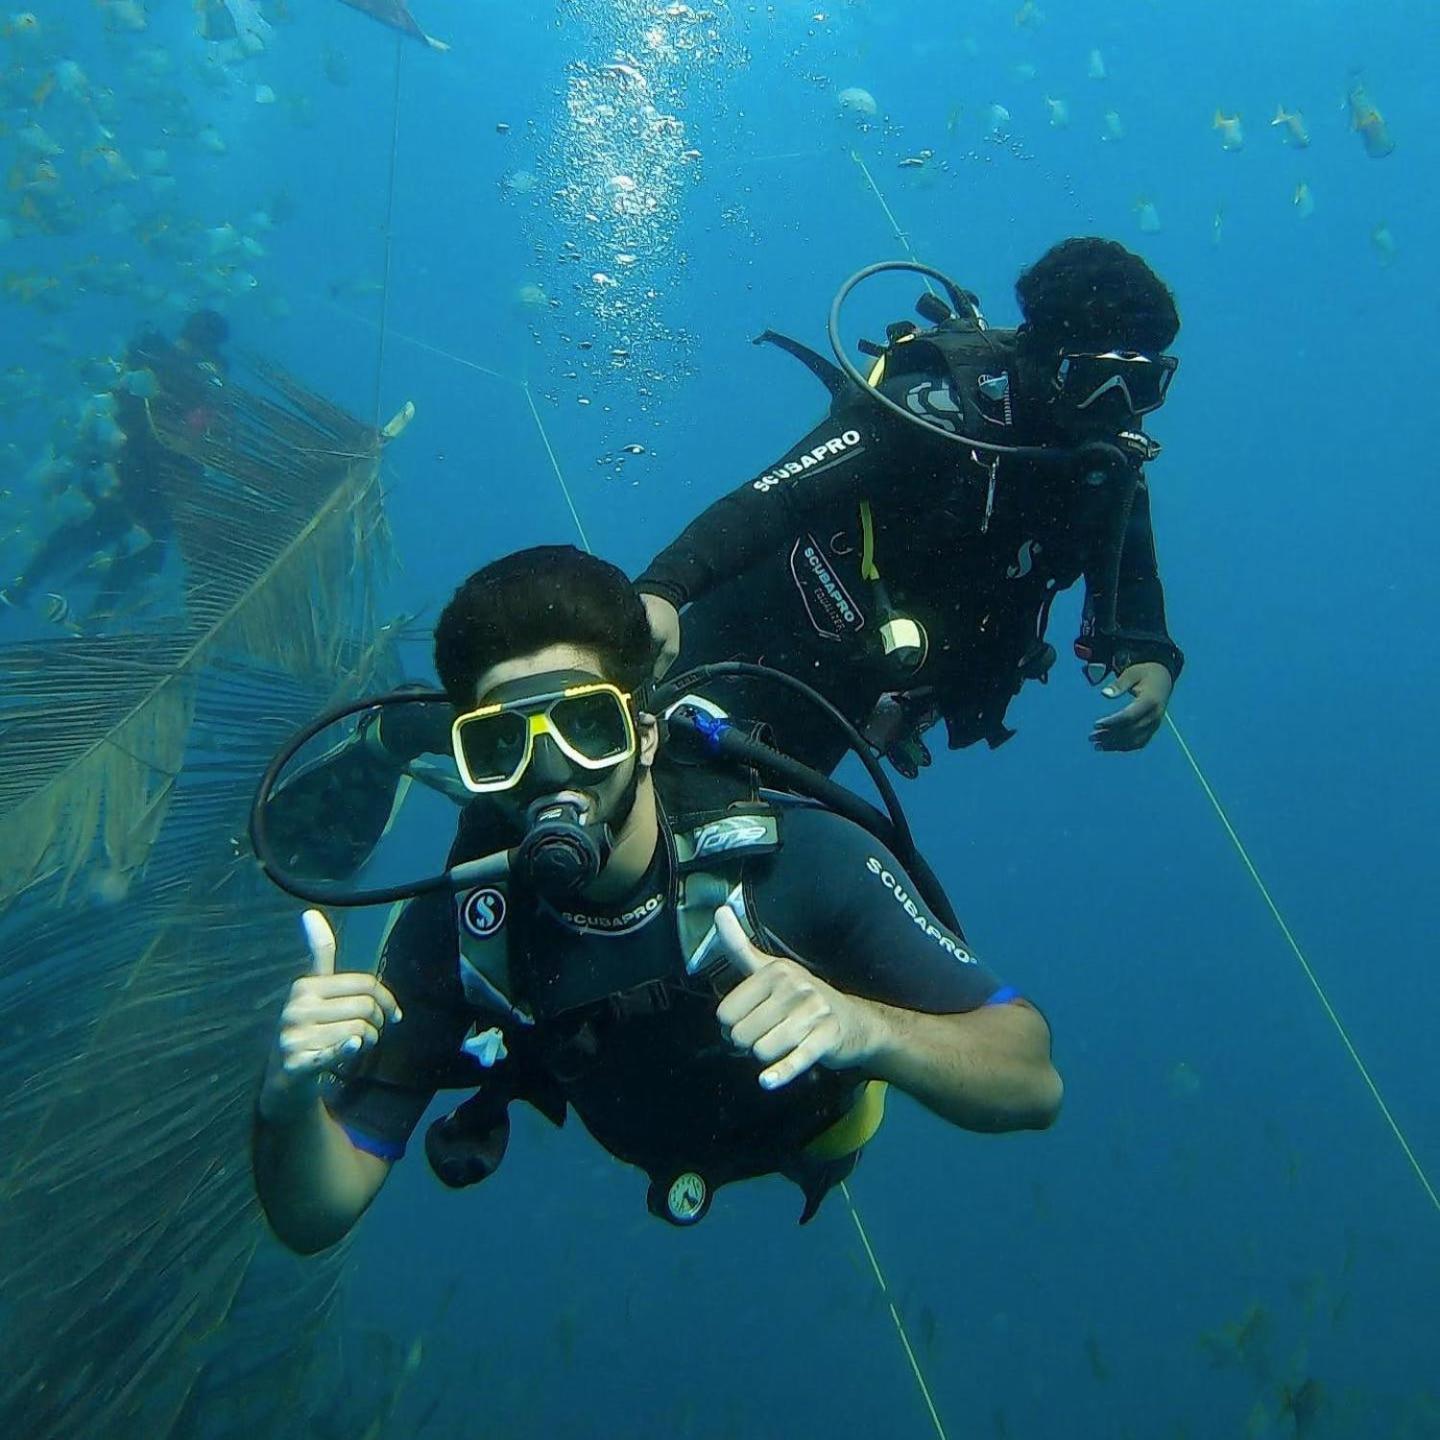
pixel 867 518
pixel 855 1128
pixel 867 543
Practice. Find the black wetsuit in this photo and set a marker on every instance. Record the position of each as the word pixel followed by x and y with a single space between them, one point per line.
pixel 651 1077
pixel 147 473
pixel 773 570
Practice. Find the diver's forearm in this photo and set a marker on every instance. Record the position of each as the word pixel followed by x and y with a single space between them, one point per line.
pixel 312 1182
pixel 713 546
pixel 987 1069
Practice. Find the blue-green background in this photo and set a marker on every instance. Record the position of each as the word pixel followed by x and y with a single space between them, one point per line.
pixel 1053 1285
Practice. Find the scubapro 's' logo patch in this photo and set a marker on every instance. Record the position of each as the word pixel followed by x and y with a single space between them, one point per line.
pixel 483 912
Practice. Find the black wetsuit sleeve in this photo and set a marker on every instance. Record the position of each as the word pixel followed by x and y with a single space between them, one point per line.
pixel 1141 630
pixel 382 1102
pixel 844 906
pixel 834 465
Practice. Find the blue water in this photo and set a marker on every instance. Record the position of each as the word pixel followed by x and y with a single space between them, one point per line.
pixel 1052 1285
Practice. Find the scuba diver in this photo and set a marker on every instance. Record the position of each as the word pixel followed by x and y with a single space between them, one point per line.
pixel 720 979
pixel 903 557
pixel 117 474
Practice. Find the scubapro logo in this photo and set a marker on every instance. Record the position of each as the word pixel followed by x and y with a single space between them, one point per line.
pixel 833 589
pixel 825 451
pixel 483 913
pixel 631 919
pixel 901 895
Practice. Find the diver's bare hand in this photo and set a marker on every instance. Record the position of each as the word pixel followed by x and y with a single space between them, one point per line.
pixel 1149 686
pixel 328 1020
pixel 664 621
pixel 786 1017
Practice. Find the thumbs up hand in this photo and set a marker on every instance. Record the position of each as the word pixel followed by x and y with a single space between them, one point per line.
pixel 329 1018
pixel 788 1018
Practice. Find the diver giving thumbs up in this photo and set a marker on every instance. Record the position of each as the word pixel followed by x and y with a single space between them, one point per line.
pixel 328 1018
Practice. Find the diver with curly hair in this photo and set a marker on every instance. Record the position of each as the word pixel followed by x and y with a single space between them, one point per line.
pixel 910 578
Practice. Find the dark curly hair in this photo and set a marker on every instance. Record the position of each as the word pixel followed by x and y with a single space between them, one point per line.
pixel 547 595
pixel 205 331
pixel 1092 294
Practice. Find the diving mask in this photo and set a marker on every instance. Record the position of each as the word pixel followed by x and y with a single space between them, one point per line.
pixel 588 720
pixel 1141 381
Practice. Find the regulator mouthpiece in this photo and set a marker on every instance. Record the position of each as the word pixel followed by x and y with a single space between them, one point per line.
pixel 562 853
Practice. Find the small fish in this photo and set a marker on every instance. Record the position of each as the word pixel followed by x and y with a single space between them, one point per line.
pixel 857 103
pixel 1368 123
pixel 1303 1405
pixel 71 80
pixel 23 26
pixel 35 139
pixel 1149 216
pixel 125 14
pixel 209 138
pixel 56 610
pixel 42 178
pixel 140 383
pixel 1303 201
pixel 1029 15
pixel 222 238
pixel 1232 133
pixel 1059 113
pixel 1294 133
pixel 1384 243
pixel 114 168
pixel 1217 227
pixel 1095 66
pixel 999 118
pixel 336 67
pixel 264 95
pixel 1098 1368
pixel 104 479
pixel 228 280
pixel 1024 71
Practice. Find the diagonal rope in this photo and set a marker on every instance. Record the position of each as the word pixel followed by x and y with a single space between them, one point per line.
pixel 900 234
pixel 894 1312
pixel 389 227
pixel 555 466
pixel 1309 971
